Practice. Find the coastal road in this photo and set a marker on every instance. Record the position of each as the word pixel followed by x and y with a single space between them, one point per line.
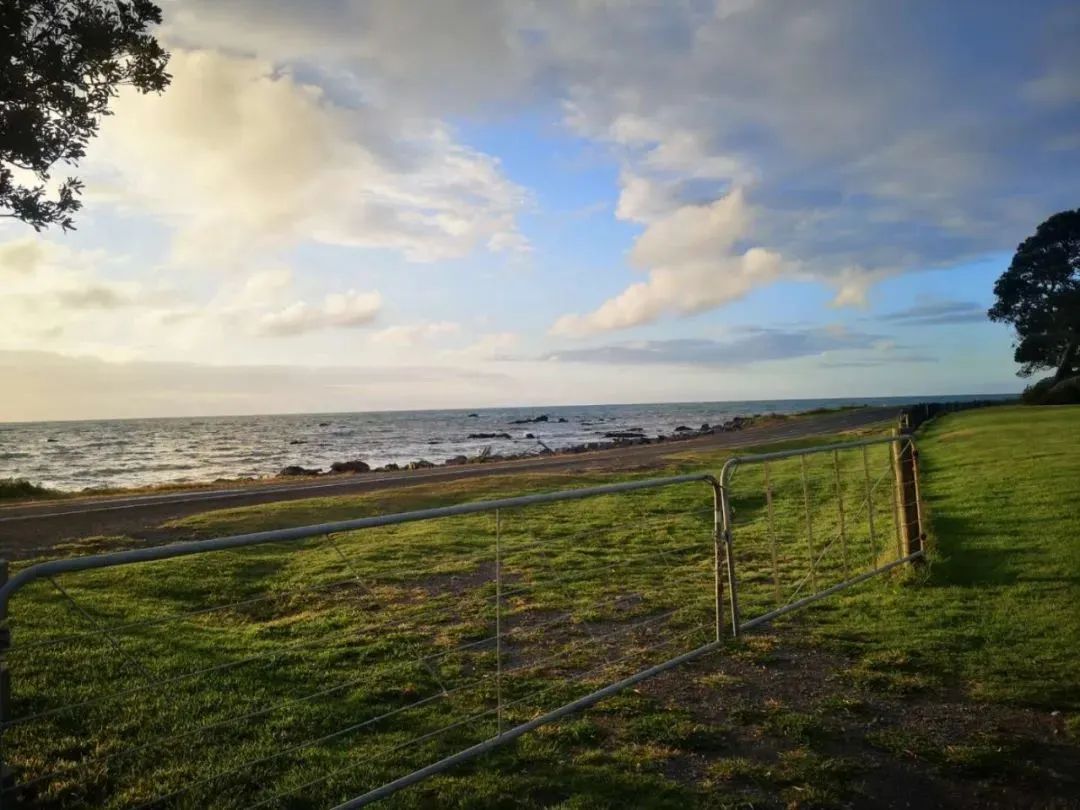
pixel 30 529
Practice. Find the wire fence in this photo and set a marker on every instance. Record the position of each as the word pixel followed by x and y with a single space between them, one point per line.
pixel 806 523
pixel 321 668
pixel 332 665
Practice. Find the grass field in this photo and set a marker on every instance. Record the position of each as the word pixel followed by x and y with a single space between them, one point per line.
pixel 939 684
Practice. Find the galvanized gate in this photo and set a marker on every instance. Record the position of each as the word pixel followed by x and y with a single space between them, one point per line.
pixel 804 524
pixel 345 661
pixel 340 660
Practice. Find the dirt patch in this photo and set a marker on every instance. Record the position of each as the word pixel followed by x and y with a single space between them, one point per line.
pixel 794 724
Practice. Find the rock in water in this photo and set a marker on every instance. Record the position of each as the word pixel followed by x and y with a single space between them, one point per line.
pixel 355 466
pixel 294 470
pixel 623 434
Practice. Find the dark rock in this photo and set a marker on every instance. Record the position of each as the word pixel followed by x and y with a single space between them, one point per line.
pixel 355 466
pixel 391 467
pixel 324 424
pixel 474 416
pixel 624 434
pixel 562 419
pixel 705 428
pixel 456 460
pixel 683 429
pixel 294 470
pixel 490 436
pixel 529 436
pixel 541 418
pixel 419 464
pixel 50 439
pixel 297 441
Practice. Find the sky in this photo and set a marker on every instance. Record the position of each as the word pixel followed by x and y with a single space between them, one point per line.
pixel 368 204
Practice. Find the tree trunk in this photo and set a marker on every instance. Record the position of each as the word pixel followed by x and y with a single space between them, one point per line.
pixel 1068 357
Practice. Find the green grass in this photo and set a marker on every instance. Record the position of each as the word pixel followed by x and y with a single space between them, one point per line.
pixel 593 590
pixel 996 610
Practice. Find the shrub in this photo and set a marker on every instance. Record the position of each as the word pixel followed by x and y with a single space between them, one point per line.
pixel 1047 392
pixel 21 489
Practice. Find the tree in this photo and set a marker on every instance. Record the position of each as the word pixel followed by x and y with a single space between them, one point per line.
pixel 1039 295
pixel 63 61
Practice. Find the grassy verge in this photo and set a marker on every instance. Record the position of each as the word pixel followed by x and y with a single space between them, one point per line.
pixel 995 611
pixel 19 489
pixel 935 687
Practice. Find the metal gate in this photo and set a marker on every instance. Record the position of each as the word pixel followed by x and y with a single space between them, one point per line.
pixel 341 662
pixel 804 524
pixel 345 661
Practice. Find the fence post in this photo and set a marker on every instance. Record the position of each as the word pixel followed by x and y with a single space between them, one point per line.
pixel 7 775
pixel 910 514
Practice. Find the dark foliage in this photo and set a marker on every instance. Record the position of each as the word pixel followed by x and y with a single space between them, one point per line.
pixel 1050 391
pixel 1039 295
pixel 63 61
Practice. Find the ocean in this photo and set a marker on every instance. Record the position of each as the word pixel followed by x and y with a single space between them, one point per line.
pixel 77 455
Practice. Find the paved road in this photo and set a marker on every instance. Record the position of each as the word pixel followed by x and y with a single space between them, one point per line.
pixel 31 528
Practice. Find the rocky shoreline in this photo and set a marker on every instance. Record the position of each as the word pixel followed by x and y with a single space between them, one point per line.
pixel 611 439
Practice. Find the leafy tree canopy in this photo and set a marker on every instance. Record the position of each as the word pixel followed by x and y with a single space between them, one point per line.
pixel 63 61
pixel 1039 295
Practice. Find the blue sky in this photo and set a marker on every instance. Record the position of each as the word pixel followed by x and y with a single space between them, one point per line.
pixel 363 204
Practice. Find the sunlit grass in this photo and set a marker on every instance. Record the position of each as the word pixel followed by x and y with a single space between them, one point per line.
pixel 323 634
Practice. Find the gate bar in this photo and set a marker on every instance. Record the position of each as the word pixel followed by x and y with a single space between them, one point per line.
pixel 183 549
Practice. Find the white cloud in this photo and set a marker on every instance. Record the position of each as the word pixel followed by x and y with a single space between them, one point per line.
pixel 881 159
pixel 242 156
pixel 685 289
pixel 414 334
pixel 488 346
pixel 688 251
pixel 52 292
pixel 22 257
pixel 339 310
